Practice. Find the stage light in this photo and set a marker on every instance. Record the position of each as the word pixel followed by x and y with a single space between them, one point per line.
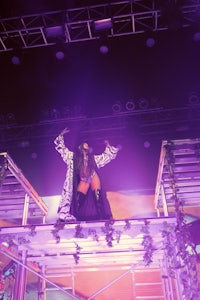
pixel 117 107
pixel 150 42
pixel 143 103
pixel 54 31
pixel 130 105
pixel 104 24
pixel 11 118
pixel 55 113
pixel 34 155
pixel 15 60
pixel 196 37
pixel 60 55
pixel 147 144
pixel 194 99
pixel 103 49
pixel 24 144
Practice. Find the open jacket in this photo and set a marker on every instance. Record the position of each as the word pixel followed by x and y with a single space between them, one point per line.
pixel 67 155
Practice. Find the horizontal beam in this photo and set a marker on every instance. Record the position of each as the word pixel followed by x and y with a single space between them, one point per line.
pixel 77 24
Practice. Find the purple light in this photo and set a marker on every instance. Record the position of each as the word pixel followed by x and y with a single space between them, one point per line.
pixel 54 31
pixel 196 37
pixel 104 49
pixel 150 42
pixel 103 24
pixel 15 60
pixel 60 55
pixel 147 144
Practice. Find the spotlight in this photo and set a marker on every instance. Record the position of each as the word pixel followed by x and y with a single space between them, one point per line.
pixel 103 49
pixel 55 114
pixel 54 31
pixel 150 42
pixel 143 103
pixel 147 144
pixel 130 105
pixel 24 144
pixel 34 155
pixel 194 100
pixel 101 25
pixel 60 55
pixel 15 60
pixel 117 107
pixel 11 118
pixel 196 37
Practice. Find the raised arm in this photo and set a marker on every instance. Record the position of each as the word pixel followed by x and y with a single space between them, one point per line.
pixel 59 142
pixel 109 154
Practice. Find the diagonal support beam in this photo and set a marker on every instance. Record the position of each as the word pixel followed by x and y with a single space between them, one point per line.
pixel 36 273
pixel 109 284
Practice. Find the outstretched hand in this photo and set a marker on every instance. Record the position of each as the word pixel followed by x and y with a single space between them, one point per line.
pixel 106 142
pixel 64 131
pixel 119 147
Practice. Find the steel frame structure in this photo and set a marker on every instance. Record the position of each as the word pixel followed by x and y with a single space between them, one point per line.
pixel 149 122
pixel 83 247
pixel 19 202
pixel 69 249
pixel 178 175
pixel 77 24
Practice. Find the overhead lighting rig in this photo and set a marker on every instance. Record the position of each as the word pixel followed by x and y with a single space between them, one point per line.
pixel 77 24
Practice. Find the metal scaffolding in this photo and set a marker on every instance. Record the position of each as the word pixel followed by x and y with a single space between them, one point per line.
pixel 40 254
pixel 85 247
pixel 77 24
pixel 19 202
pixel 178 175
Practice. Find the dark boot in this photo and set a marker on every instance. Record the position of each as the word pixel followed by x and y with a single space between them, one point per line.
pixel 80 198
pixel 99 203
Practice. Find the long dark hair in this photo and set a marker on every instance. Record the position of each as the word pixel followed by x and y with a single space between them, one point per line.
pixel 79 161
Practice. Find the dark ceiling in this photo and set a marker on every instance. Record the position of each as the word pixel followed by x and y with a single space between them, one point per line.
pixel 166 74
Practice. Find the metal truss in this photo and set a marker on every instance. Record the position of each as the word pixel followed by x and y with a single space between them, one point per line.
pixel 154 122
pixel 77 24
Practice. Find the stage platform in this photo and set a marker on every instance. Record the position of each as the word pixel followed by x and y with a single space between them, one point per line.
pixel 50 253
pixel 115 259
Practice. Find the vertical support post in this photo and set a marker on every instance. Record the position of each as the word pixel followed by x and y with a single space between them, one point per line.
pixel 178 285
pixel 42 285
pixel 25 212
pixel 165 208
pixel 133 283
pixel 21 278
pixel 167 281
pixel 73 284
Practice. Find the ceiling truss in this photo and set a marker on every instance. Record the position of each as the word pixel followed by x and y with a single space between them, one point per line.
pixel 77 24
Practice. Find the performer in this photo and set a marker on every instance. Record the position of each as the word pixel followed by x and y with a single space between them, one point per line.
pixel 82 196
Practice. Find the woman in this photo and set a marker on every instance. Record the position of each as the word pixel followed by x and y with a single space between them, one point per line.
pixel 82 195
